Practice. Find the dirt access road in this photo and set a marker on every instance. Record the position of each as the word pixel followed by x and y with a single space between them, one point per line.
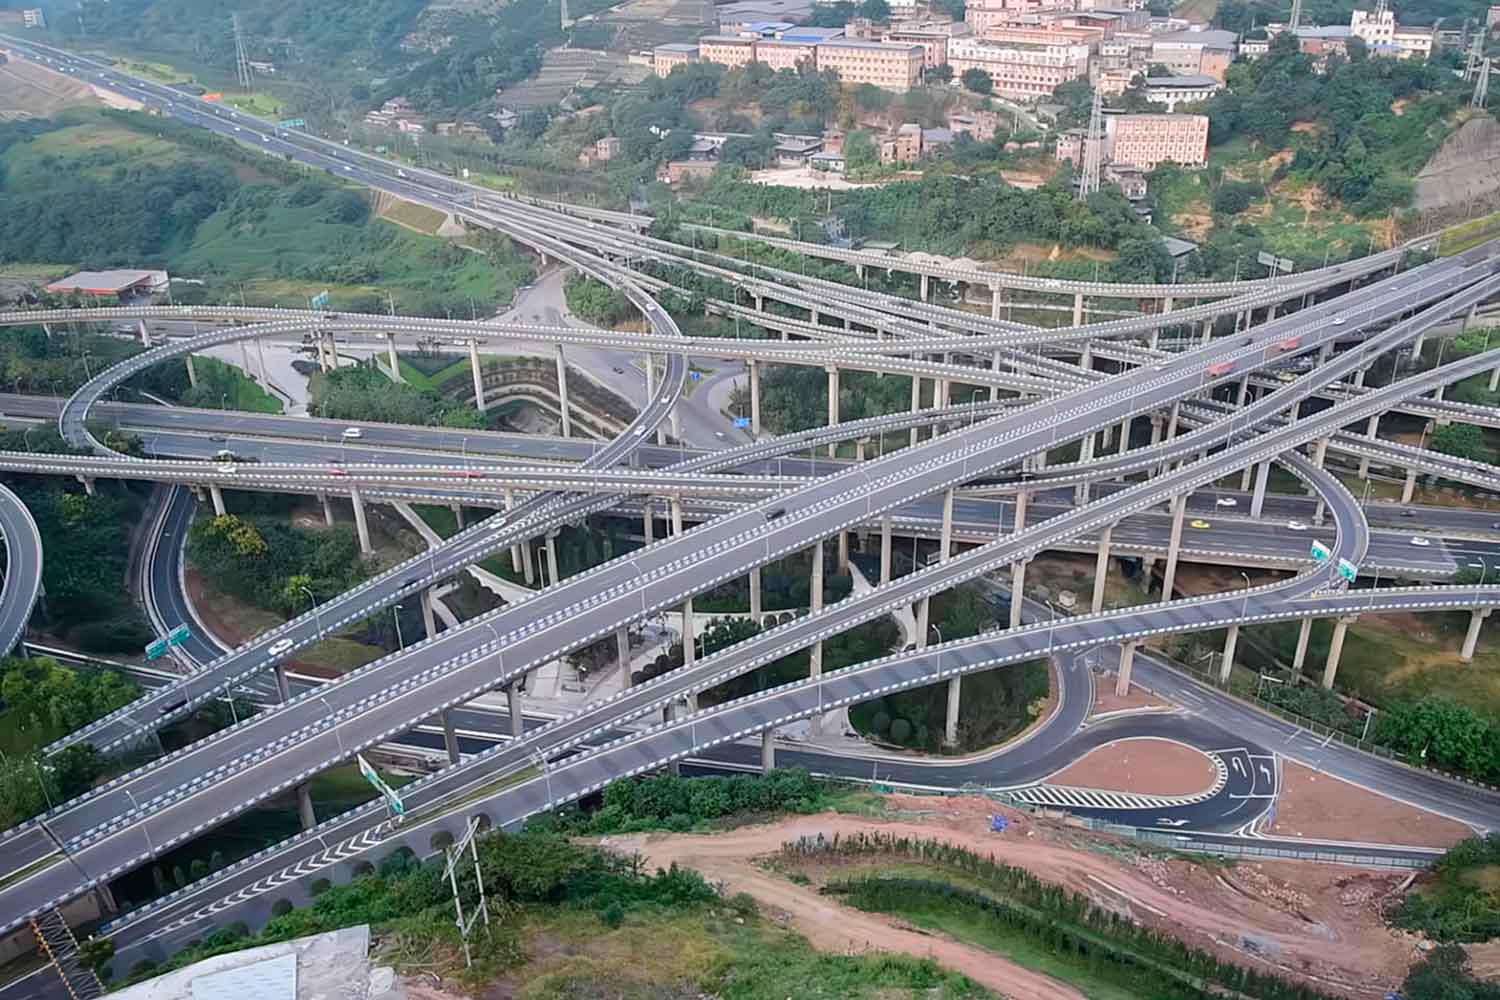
pixel 1317 923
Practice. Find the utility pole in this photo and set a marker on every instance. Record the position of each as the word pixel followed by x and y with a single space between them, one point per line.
pixel 241 61
pixel 1093 149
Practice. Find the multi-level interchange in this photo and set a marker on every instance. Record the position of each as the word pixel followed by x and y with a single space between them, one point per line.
pixel 974 473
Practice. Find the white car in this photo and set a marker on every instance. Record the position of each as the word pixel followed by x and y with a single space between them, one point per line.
pixel 265 138
pixel 229 470
pixel 347 167
pixel 278 647
pixel 666 400
pixel 1296 525
pixel 1338 321
pixel 353 432
pixel 640 432
pixel 1420 542
pixel 1226 502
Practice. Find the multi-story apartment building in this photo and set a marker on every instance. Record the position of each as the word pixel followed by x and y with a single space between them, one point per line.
pixel 1188 53
pixel 665 58
pixel 983 14
pixel 1383 36
pixel 726 50
pixel 902 146
pixel 1175 90
pixel 932 36
pixel 780 53
pixel 1144 141
pixel 1020 70
pixel 889 67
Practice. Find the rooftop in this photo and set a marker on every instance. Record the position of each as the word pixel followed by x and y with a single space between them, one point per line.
pixel 108 282
pixel 683 47
pixel 1192 82
pixel 856 43
pixel 1211 37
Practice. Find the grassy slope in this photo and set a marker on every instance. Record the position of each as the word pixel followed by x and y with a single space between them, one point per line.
pixel 247 395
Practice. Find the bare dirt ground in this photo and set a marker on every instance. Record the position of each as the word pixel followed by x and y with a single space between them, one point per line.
pixel 29 89
pixel 1319 923
pixel 1321 807
pixel 1144 766
pixel 1105 700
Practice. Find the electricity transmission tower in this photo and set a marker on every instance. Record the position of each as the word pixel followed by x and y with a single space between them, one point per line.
pixel 1093 149
pixel 241 61
pixel 1296 15
pixel 1481 85
pixel 1476 56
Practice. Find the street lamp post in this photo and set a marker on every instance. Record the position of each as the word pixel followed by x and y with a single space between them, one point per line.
pixel 1245 601
pixel 396 615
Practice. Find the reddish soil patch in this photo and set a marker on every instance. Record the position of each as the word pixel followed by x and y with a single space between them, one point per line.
pixel 225 631
pixel 1143 766
pixel 1317 923
pixel 1105 700
pixel 1321 807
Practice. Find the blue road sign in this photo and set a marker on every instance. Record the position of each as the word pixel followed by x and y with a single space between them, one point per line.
pixel 742 421
pixel 695 376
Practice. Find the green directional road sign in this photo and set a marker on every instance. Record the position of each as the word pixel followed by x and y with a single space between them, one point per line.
pixel 179 635
pixel 1348 570
pixel 292 123
pixel 1320 552
pixel 320 300
pixel 156 650
pixel 386 791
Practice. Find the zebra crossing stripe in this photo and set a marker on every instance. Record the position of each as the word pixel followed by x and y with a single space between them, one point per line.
pixel 1048 794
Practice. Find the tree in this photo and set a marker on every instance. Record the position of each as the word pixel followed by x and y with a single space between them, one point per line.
pixel 860 151
pixel 1460 441
pixel 875 10
pixel 941 73
pixel 978 81
pixel 1444 974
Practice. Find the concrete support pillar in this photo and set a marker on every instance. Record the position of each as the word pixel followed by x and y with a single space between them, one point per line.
pixel 1019 525
pixel 995 365
pixel 1243 391
pixel 245 359
pixel 1226 664
pixel 478 374
pixel 1494 379
pixel 689 635
pixel 1124 435
pixel 916 405
pixel 305 811
pixel 1336 648
pixel 562 393
pixel 450 737
pixel 360 524
pixel 551 541
pixel 1320 452
pixel 145 334
pixel 1359 377
pixel 1409 487
pixel 885 550
pixel 1471 637
pixel 950 720
pixel 88 484
pixel 768 751
pixel 926 282
pixel 1017 590
pixel 1101 568
pixel 648 522
pixel 945 543
pixel 283 687
pixel 1078 309
pixel 333 351
pixel 843 552
pixel 218 498
pixel 754 398
pixel 675 505
pixel 327 509
pixel 1304 633
pixel 513 708
pixel 390 353
pixel 1262 478
pixel 260 354
pixel 756 613
pixel 1372 431
pixel 1174 547
pixel 833 407
pixel 816 597
pixel 515 550
pixel 192 375
pixel 997 301
pixel 622 654
pixel 429 620
pixel 1127 661
pixel 458 514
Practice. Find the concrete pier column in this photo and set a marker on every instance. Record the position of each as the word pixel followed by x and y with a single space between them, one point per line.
pixel 245 359
pixel 360 524
pixel 768 751
pixel 843 552
pixel 1101 568
pixel 450 737
pixel 1494 379
pixel 1017 590
pixel 551 541
pixel 1372 431
pixel 833 407
pixel 997 302
pixel 429 620
pixel 515 550
pixel 1262 478
pixel 885 550
pixel 1303 635
pixel 1471 637
pixel 995 364
pixel 333 351
pixel 648 522
pixel 675 505
pixel 1124 435
pixel 1019 524
pixel 1409 487
pixel 1127 661
pixel 1078 309
pixel 1336 648
pixel 458 514
pixel 88 485
pixel 1226 664
pixel 327 509
pixel 1320 452
pixel 283 686
pixel 756 613
pixel 192 375
pixel 689 635
pixel 305 811
pixel 754 398
pixel 926 282
pixel 1244 389
pixel 562 393
pixel 145 334
pixel 1174 547
pixel 513 708
pixel 390 353
pixel 218 498
pixel 815 594
pixel 945 543
pixel 260 354
pixel 478 374
pixel 950 720
pixel 622 654
pixel 916 406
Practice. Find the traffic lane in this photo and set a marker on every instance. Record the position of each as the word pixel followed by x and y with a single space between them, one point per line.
pixel 23 568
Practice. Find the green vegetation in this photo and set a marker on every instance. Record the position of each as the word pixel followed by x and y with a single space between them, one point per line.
pixel 44 700
pixel 1444 974
pixel 1460 441
pixel 1461 901
pixel 569 920
pixel 270 564
pixel 671 802
pixel 220 386
pixel 364 393
pixel 785 585
pixel 596 302
pixel 795 397
pixel 1033 922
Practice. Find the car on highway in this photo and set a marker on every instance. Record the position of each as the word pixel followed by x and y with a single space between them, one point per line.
pixel 1338 321
pixel 640 432
pixel 1226 502
pixel 1408 513
pixel 1296 526
pixel 1198 522
pixel 172 706
pixel 1420 542
pixel 229 469
pixel 1285 377
pixel 666 401
pixel 353 433
pixel 774 513
pixel 279 646
pixel 265 138
pixel 336 471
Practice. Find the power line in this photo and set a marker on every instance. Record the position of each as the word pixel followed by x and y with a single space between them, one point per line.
pixel 241 61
